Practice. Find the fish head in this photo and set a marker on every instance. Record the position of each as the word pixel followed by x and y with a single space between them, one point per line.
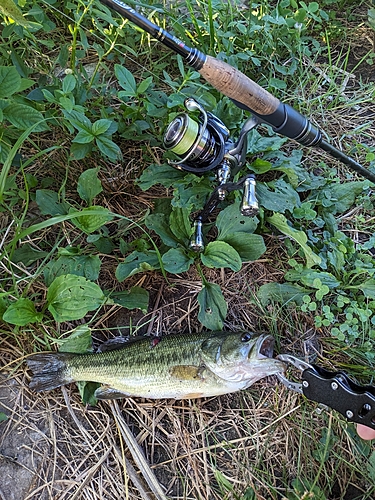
pixel 242 357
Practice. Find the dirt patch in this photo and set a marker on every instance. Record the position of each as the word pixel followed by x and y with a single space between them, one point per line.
pixel 24 447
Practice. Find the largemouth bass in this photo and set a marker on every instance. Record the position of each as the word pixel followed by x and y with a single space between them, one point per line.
pixel 176 366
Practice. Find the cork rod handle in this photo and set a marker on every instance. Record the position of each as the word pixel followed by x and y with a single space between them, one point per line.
pixel 237 86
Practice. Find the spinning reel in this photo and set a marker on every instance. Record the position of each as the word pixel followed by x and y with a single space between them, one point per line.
pixel 202 144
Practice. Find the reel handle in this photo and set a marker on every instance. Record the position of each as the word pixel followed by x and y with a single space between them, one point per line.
pixel 249 204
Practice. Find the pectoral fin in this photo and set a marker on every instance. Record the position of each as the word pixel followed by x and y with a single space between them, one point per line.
pixel 109 393
pixel 187 372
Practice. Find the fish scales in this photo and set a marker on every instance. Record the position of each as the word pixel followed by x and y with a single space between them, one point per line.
pixel 139 363
pixel 177 366
pixel 139 369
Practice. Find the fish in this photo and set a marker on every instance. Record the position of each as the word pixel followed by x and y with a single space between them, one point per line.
pixel 177 366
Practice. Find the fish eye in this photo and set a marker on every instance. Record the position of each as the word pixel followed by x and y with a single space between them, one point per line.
pixel 246 337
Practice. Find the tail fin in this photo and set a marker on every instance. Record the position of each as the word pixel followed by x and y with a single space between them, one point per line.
pixel 49 371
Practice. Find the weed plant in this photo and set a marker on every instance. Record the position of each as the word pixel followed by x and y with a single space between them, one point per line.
pixel 81 90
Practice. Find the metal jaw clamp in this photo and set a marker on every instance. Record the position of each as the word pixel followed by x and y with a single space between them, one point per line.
pixel 333 389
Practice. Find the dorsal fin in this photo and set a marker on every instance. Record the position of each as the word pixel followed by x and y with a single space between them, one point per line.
pixel 118 343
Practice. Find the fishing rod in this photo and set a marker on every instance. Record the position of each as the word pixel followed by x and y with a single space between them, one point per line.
pixel 243 91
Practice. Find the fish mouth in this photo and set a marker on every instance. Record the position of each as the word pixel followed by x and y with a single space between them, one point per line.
pixel 265 345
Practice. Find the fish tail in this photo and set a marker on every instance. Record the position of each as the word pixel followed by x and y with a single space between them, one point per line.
pixel 49 371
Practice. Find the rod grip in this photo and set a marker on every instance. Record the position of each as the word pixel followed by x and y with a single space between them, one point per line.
pixel 237 86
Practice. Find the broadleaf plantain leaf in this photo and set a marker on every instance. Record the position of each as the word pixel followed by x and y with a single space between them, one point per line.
pixel 71 297
pixel 176 261
pixel 21 313
pixel 219 254
pixel 212 306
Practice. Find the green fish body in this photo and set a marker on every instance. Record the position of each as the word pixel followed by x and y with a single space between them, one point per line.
pixel 177 366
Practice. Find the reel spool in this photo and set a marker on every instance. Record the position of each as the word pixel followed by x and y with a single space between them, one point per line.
pixel 201 144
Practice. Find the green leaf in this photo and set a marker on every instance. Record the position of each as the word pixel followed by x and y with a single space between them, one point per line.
pixel 223 481
pixel 305 212
pixel 230 220
pixel 84 137
pixel 313 6
pixel 308 277
pixel 48 202
pixel 300 15
pixel 80 265
pixel 281 292
pixel 79 341
pixel 23 117
pixel 135 298
pixel 9 159
pixel 321 292
pixel 21 313
pixel 3 306
pixel 180 224
pixel 191 193
pixel 9 9
pixel 212 306
pixel 260 166
pixel 3 417
pixel 108 147
pixel 27 254
pixel 371 17
pixel 340 197
pixel 371 460
pixel 176 261
pixel 90 223
pixel 70 297
pixel 159 174
pixel 10 81
pixel 258 143
pixel 89 185
pixel 68 84
pixel 159 223
pixel 144 85
pixel 23 69
pixel 278 196
pixel 126 81
pixel 277 83
pixel 66 103
pixel 280 222
pixel 78 120
pixel 55 220
pixel 368 288
pixel 137 262
pixel 101 126
pixel 103 244
pixel 80 151
pixel 220 254
pixel 87 391
pixel 249 246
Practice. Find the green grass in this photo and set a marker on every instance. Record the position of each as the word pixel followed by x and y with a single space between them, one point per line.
pixel 89 208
